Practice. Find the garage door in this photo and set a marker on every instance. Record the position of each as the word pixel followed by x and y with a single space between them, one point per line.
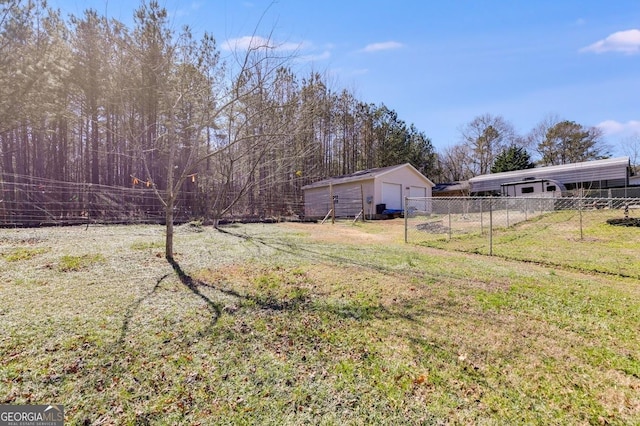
pixel 417 191
pixel 392 195
pixel 421 204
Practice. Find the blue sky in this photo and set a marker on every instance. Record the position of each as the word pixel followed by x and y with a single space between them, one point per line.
pixel 439 64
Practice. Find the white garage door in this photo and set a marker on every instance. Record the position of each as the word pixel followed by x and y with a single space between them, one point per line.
pixel 392 195
pixel 421 204
pixel 417 191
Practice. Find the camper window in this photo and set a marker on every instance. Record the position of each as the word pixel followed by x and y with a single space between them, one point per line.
pixel 527 190
pixel 551 188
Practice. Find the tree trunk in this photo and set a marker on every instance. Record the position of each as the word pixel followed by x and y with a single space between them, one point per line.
pixel 169 228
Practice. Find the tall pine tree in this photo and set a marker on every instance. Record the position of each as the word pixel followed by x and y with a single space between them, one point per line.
pixel 512 158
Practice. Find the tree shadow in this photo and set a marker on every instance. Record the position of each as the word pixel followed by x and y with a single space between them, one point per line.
pixel 314 255
pixel 193 285
pixel 187 281
pixel 124 330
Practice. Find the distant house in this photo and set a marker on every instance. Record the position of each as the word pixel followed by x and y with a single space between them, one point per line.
pixel 371 192
pixel 451 189
pixel 597 174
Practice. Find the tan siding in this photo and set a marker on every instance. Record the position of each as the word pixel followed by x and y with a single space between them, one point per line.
pixel 350 196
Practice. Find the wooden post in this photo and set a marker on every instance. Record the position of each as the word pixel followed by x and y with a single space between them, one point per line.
pixel 333 204
pixel 362 202
pixel 325 218
pixel 358 215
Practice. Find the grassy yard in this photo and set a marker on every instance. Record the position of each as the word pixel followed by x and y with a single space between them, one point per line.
pixel 554 239
pixel 310 324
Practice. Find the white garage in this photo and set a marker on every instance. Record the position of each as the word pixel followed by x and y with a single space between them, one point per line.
pixel 372 192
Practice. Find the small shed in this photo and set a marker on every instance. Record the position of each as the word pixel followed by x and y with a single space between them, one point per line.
pixel 371 192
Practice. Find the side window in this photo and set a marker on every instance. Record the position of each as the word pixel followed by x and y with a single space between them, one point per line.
pixel 551 188
pixel 527 190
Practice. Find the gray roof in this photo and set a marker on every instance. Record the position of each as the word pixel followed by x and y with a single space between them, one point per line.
pixel 360 175
pixel 608 169
pixel 452 186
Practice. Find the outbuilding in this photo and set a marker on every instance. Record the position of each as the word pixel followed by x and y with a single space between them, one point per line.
pixel 376 192
pixel 596 174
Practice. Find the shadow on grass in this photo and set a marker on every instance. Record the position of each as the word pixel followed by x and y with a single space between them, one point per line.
pixel 194 285
pixel 124 330
pixel 348 309
pixel 187 281
pixel 315 255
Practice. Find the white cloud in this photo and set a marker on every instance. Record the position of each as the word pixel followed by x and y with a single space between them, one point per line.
pixel 312 57
pixel 387 45
pixel 254 42
pixel 622 41
pixel 613 127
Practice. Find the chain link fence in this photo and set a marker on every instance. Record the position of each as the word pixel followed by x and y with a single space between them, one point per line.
pixel 528 228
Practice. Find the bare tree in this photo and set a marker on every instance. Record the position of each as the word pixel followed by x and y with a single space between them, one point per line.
pixel 485 136
pixel 192 97
pixel 453 164
pixel 538 134
pixel 631 147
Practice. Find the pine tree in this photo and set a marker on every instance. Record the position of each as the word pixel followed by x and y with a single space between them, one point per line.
pixel 512 158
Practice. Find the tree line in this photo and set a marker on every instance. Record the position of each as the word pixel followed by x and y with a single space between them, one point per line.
pixel 490 144
pixel 210 132
pixel 89 99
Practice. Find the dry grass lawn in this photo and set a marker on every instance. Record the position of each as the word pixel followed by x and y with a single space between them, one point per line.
pixel 308 324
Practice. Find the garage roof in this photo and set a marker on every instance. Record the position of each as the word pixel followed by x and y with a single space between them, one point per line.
pixel 362 175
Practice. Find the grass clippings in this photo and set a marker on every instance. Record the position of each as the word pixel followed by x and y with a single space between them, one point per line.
pixel 311 324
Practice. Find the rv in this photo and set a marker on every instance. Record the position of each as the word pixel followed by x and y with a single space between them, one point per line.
pixel 532 187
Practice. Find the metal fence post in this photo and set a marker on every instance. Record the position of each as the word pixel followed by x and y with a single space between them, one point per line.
pixel 490 227
pixel 449 214
pixel 406 219
pixel 580 210
pixel 506 207
pixel 481 216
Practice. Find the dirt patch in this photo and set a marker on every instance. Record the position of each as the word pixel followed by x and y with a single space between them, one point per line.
pixel 628 221
pixel 433 227
pixel 348 232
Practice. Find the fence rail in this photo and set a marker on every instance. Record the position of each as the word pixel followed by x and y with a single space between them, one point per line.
pixel 28 201
pixel 487 225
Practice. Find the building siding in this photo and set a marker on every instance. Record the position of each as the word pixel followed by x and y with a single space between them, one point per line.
pixel 352 194
pixel 609 173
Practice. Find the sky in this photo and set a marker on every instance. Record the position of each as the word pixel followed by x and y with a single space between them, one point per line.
pixel 440 64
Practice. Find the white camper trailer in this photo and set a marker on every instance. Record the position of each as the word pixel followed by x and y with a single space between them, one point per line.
pixel 532 187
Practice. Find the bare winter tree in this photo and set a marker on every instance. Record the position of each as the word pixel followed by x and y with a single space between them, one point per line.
pixel 538 134
pixel 453 164
pixel 630 147
pixel 190 94
pixel 484 137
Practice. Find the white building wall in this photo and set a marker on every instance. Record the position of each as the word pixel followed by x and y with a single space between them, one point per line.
pixel 350 196
pixel 409 181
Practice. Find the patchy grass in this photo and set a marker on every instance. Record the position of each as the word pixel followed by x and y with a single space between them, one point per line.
pixel 70 263
pixel 23 253
pixel 311 324
pixel 147 245
pixel 555 239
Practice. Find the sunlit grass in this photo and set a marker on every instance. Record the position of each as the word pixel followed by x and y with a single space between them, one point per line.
pixel 555 239
pixel 23 253
pixel 311 324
